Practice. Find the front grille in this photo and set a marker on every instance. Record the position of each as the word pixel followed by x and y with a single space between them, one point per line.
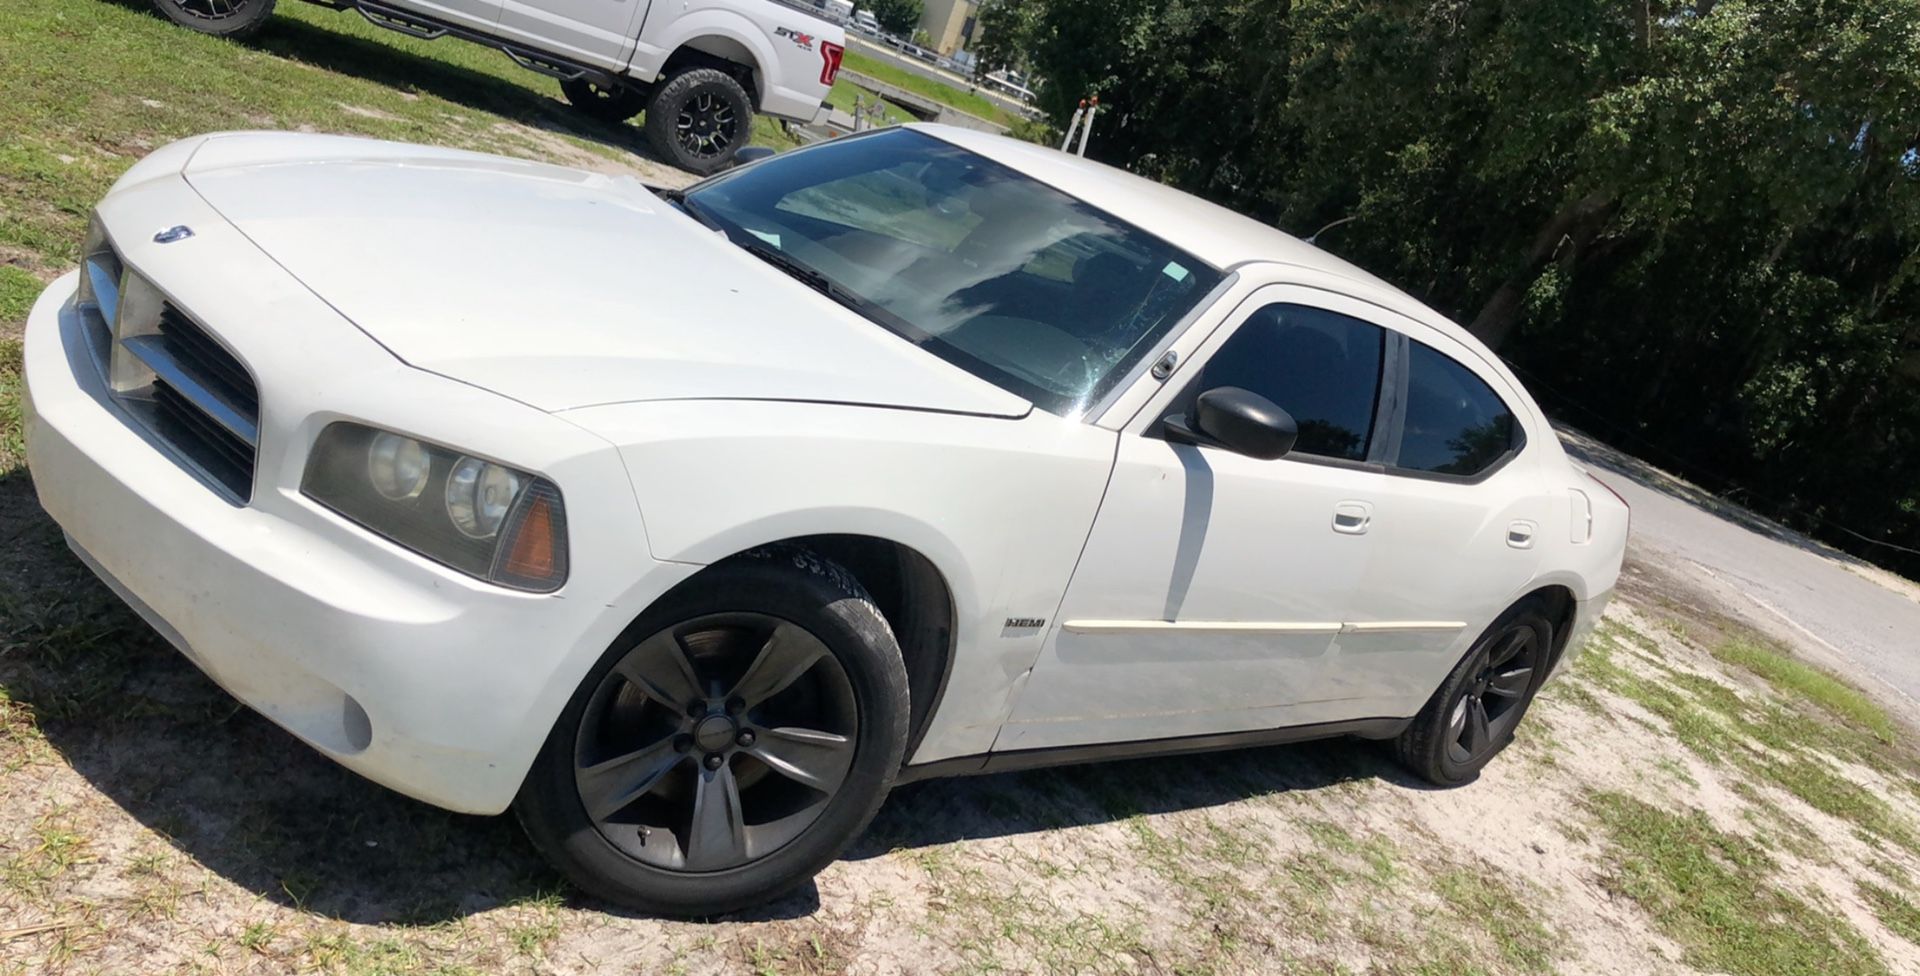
pixel 225 457
pixel 170 374
pixel 204 403
pixel 208 359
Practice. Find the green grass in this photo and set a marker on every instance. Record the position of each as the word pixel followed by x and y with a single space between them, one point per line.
pixel 13 448
pixel 844 92
pixel 1897 912
pixel 18 289
pixel 945 94
pixel 1803 681
pixel 1479 893
pixel 1786 744
pixel 1718 896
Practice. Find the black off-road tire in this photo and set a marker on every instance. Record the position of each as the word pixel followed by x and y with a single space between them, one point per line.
pixel 221 18
pixel 798 587
pixel 612 105
pixel 698 118
pixel 1433 747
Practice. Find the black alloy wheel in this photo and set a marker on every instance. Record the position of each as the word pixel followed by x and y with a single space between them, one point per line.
pixel 224 18
pixel 1478 708
pixel 698 118
pixel 687 762
pixel 1491 703
pixel 707 126
pixel 729 744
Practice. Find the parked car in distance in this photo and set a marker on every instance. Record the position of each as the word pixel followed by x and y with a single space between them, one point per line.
pixel 1010 84
pixel 915 453
pixel 699 70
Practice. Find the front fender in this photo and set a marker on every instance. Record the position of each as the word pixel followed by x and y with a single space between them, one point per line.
pixel 1000 507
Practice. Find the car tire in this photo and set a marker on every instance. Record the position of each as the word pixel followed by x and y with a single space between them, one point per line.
pixel 612 105
pixel 1474 714
pixel 221 18
pixel 664 849
pixel 698 118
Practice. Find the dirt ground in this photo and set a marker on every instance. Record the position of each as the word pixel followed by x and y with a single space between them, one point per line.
pixel 1690 800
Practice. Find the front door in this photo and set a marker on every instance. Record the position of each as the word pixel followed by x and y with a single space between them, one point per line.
pixel 1214 586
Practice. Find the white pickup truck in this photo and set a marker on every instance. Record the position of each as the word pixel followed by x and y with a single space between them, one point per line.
pixel 699 69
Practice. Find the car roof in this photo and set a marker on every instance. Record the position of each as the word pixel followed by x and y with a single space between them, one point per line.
pixel 1208 231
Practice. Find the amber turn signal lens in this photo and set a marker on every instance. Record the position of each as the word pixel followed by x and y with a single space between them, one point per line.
pixel 532 554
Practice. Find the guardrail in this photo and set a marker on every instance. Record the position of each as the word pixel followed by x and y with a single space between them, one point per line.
pixel 921 106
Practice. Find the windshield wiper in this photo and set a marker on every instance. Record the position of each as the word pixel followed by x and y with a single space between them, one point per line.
pixel 680 199
pixel 806 274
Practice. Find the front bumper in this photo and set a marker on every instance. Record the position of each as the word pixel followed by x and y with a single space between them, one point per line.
pixel 437 685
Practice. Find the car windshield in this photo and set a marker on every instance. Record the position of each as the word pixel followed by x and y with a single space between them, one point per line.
pixel 989 269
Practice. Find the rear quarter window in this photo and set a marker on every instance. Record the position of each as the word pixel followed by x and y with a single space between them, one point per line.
pixel 1455 424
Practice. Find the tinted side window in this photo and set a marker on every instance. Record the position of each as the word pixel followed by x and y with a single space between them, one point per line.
pixel 1321 367
pixel 1455 424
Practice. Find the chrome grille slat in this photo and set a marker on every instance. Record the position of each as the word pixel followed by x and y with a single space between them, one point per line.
pixel 229 460
pixel 197 352
pixel 175 365
pixel 103 274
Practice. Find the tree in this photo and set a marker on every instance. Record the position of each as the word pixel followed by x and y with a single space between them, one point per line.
pixel 1004 31
pixel 897 17
pixel 1695 227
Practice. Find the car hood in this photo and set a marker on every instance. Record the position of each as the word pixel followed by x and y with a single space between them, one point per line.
pixel 556 287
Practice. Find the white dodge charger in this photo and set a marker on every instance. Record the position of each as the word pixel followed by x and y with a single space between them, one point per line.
pixel 686 524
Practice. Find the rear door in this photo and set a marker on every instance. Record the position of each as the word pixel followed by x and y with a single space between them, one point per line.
pixel 1456 522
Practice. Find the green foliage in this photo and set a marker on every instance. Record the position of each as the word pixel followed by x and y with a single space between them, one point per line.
pixel 1693 226
pixel 898 17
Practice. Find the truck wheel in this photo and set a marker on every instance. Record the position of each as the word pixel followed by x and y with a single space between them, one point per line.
pixel 698 118
pixel 732 741
pixel 221 18
pixel 614 105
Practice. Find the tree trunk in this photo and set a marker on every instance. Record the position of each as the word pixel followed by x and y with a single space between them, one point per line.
pixel 1502 311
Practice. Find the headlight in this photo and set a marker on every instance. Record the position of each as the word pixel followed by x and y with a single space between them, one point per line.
pixel 398 466
pixel 479 495
pixel 482 518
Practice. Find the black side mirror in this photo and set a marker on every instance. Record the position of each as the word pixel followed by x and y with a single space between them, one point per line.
pixel 751 154
pixel 1237 420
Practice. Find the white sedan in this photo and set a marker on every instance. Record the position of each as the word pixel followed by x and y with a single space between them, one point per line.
pixel 686 524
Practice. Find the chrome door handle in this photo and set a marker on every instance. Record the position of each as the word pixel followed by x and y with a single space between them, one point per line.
pixel 1520 534
pixel 1352 518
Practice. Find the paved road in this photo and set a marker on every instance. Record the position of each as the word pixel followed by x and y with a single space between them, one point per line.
pixel 1781 582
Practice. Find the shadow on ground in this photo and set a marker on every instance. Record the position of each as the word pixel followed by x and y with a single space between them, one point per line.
pixel 251 803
